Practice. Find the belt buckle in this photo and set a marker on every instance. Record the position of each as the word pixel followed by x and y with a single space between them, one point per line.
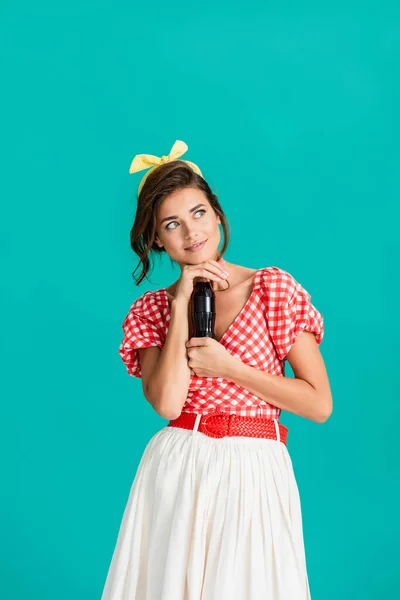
pixel 216 414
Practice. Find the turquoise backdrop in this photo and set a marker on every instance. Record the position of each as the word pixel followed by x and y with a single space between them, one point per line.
pixel 290 111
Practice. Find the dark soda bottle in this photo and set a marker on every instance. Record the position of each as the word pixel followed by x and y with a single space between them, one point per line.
pixel 203 309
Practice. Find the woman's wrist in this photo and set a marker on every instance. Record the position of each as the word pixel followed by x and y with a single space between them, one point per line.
pixel 179 305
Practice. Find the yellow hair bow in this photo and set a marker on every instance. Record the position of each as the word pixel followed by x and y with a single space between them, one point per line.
pixel 144 161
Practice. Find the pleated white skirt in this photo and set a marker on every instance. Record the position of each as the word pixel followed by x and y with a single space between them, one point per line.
pixel 210 519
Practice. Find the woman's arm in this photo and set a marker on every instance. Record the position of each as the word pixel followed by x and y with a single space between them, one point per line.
pixel 166 384
pixel 307 395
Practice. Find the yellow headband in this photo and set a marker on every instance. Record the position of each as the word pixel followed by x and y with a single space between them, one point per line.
pixel 144 161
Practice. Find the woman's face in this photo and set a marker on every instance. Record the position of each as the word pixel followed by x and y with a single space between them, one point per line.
pixel 184 218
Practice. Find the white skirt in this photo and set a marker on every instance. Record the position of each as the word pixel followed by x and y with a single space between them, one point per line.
pixel 210 519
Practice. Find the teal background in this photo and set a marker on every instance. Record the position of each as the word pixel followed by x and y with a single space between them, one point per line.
pixel 291 112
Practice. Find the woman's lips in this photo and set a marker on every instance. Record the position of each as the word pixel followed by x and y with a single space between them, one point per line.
pixel 197 247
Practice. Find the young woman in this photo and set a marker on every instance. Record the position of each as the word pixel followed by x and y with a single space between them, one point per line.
pixel 214 509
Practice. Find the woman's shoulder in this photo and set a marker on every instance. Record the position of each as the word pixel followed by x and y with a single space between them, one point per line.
pixel 149 303
pixel 275 275
pixel 281 289
pixel 274 272
pixel 277 284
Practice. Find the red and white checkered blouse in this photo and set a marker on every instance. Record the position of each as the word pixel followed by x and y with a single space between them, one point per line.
pixel 261 335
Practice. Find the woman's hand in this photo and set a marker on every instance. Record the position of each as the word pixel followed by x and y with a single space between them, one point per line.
pixel 210 269
pixel 207 357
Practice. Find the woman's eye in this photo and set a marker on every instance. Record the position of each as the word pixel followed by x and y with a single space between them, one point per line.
pixel 172 222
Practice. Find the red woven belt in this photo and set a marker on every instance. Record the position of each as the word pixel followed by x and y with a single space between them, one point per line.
pixel 219 424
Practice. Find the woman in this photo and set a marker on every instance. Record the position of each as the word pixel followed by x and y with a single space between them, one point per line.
pixel 214 510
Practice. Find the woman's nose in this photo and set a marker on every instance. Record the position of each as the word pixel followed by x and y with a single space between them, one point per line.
pixel 190 231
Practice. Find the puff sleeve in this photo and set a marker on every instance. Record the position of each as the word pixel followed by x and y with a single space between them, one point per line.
pixel 290 312
pixel 142 327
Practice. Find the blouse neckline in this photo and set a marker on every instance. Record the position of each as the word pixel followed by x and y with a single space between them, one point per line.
pixel 255 286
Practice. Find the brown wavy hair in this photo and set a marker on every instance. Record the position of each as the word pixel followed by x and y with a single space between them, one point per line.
pixel 161 182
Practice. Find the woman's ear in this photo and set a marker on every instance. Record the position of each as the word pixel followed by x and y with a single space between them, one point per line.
pixel 157 241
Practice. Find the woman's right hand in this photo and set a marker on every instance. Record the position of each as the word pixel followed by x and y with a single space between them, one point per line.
pixel 210 269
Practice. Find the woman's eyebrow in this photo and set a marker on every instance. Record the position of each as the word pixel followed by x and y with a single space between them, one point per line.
pixel 176 216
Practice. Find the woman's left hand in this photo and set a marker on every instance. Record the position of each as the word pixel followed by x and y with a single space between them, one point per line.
pixel 207 357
